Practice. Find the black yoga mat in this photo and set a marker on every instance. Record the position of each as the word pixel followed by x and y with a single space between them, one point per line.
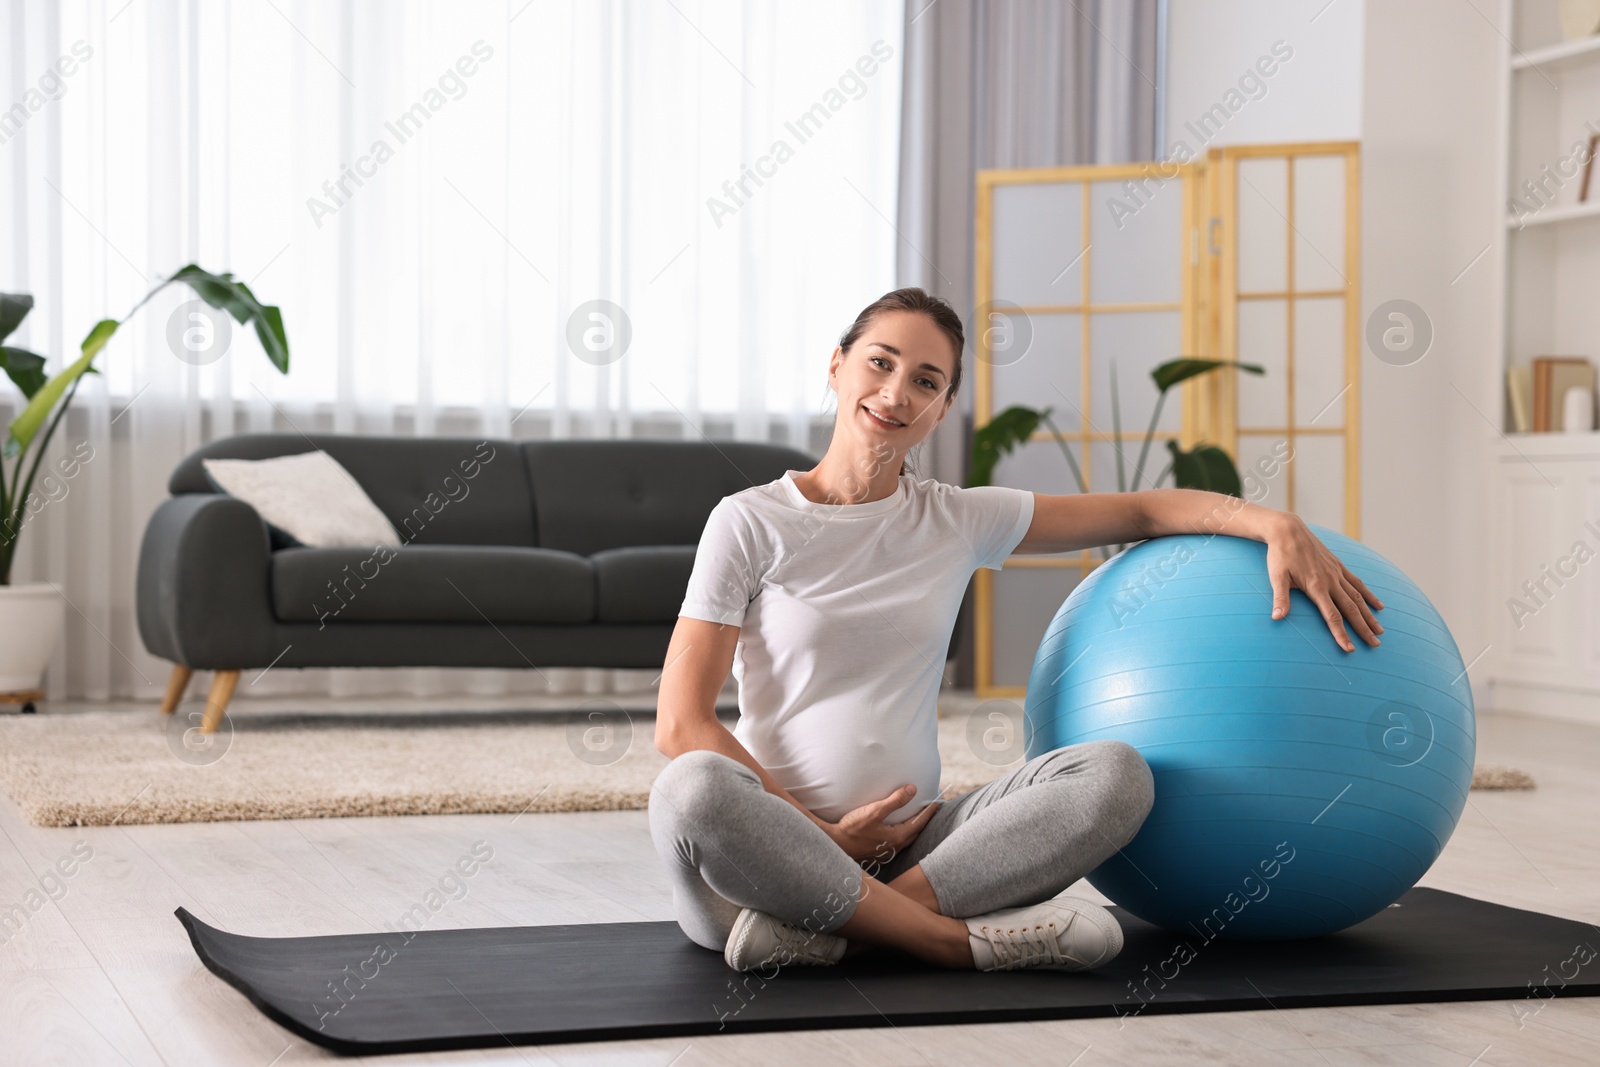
pixel 445 989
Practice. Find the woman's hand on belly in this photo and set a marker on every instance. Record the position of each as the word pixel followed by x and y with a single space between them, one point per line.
pixel 863 834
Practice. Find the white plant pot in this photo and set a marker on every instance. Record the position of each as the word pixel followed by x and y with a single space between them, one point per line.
pixel 32 618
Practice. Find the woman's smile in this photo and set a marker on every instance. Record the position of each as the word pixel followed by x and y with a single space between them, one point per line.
pixel 882 420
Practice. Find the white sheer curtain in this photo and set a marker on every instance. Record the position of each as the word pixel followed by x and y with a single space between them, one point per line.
pixel 1009 83
pixel 428 191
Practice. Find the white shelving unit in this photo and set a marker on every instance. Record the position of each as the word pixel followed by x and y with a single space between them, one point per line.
pixel 1550 105
pixel 1554 214
pixel 1555 56
pixel 1545 654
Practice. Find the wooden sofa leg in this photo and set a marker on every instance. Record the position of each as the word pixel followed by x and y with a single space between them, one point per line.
pixel 176 684
pixel 222 686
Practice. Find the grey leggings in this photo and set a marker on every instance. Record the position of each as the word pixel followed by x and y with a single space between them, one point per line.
pixel 728 844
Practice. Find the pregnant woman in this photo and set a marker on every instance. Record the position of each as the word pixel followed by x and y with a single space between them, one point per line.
pixel 814 830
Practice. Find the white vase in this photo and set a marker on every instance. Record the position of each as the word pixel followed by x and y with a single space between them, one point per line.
pixel 32 618
pixel 1577 409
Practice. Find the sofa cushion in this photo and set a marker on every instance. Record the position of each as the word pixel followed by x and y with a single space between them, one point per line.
pixel 433 490
pixel 432 583
pixel 308 497
pixel 590 496
pixel 641 584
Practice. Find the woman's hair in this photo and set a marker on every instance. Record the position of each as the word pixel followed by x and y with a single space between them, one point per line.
pixel 912 298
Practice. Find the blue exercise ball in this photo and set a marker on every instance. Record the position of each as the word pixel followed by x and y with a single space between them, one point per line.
pixel 1299 788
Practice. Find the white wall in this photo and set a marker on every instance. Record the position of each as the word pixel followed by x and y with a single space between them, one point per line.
pixel 1428 194
pixel 1314 95
pixel 1415 82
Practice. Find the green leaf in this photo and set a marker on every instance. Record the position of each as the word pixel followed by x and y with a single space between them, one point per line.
pixel 26 425
pixel 218 290
pixel 1174 371
pixel 1149 435
pixel 234 297
pixel 269 329
pixel 1205 467
pixel 998 436
pixel 14 307
pixel 24 367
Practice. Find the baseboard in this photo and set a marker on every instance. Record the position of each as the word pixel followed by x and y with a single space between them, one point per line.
pixel 1546 702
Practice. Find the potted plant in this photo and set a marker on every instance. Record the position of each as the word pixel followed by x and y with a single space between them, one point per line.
pixel 32 615
pixel 1202 467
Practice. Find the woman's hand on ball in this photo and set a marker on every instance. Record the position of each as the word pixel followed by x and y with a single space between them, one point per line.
pixel 1296 558
pixel 863 834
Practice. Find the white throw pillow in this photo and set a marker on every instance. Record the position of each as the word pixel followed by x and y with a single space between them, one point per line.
pixel 309 496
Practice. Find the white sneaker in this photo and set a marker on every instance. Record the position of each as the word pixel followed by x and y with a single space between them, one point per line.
pixel 1063 934
pixel 758 939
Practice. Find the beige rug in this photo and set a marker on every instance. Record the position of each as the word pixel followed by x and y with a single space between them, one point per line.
pixel 1487 776
pixel 103 768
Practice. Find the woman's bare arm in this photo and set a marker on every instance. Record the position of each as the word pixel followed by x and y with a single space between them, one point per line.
pixel 698 661
pixel 1296 558
pixel 1068 522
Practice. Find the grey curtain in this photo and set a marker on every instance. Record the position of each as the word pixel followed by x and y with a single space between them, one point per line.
pixel 1008 83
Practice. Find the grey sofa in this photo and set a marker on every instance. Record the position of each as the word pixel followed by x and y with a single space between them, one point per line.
pixel 514 554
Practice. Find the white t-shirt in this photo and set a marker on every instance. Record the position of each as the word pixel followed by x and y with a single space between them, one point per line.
pixel 845 614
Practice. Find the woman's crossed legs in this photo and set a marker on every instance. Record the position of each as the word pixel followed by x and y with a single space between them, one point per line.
pixel 1021 839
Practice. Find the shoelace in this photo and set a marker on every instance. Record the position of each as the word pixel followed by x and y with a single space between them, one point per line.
pixel 1029 945
pixel 800 944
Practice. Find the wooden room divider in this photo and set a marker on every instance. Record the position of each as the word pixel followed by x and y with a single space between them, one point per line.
pixel 1250 253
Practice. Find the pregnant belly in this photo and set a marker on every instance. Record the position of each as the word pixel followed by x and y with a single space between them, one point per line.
pixel 833 780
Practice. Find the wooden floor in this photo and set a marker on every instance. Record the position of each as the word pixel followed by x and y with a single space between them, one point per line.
pixel 105 974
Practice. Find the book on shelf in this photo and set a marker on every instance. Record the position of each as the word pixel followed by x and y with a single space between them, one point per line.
pixel 1552 377
pixel 1519 388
